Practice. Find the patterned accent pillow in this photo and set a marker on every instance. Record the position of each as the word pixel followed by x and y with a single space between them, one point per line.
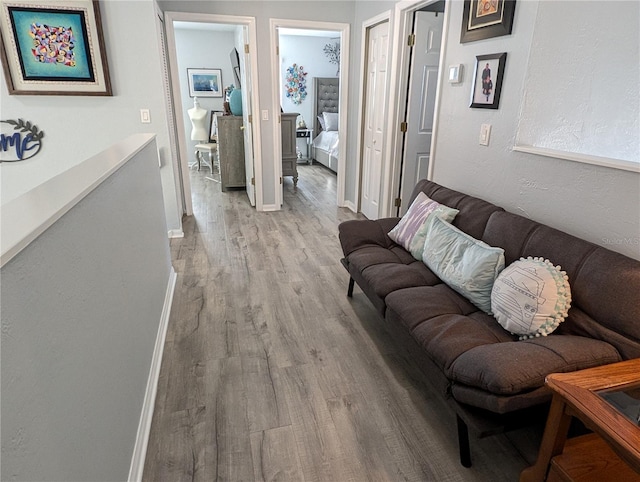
pixel 421 208
pixel 464 263
pixel 531 297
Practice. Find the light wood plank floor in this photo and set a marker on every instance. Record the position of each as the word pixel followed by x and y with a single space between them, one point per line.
pixel 271 373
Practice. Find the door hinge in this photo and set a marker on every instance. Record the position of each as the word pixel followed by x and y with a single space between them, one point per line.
pixel 403 127
pixel 411 41
pixel 246 48
pixel 280 179
pixel 398 202
pixel 253 181
pixel 277 50
pixel 250 118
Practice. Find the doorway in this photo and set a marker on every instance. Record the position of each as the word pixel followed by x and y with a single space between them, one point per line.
pixel 189 37
pixel 328 36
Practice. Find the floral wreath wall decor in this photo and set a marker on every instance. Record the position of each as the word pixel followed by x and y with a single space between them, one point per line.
pixel 296 84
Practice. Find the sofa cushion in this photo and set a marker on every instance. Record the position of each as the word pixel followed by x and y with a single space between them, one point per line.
pixel 443 323
pixel 513 367
pixel 388 277
pixel 473 349
pixel 362 233
pixel 466 264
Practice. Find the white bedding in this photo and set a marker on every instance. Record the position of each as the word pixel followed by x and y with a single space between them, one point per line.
pixel 327 141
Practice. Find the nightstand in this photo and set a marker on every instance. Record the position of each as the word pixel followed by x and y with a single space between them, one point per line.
pixel 305 134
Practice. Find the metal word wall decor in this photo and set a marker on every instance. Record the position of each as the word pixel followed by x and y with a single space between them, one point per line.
pixel 23 143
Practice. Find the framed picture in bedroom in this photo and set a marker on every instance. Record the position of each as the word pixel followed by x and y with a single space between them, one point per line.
pixel 205 82
pixel 487 80
pixel 53 48
pixel 483 19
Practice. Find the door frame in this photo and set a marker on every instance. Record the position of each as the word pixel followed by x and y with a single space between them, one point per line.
pixel 343 101
pixel 364 50
pixel 242 21
pixel 398 86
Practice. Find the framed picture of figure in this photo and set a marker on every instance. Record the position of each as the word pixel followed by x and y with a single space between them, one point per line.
pixel 487 80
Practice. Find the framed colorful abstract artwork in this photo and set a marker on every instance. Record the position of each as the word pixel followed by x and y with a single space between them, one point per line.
pixel 483 19
pixel 53 48
pixel 205 82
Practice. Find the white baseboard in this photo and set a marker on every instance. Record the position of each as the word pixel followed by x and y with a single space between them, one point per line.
pixel 176 233
pixel 270 207
pixel 350 205
pixel 144 426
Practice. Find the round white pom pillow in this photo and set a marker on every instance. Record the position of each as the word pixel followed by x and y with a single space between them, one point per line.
pixel 531 297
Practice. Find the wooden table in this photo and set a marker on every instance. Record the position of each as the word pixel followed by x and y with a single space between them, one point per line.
pixel 612 452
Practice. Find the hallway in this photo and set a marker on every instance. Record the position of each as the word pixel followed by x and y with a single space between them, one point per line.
pixel 271 373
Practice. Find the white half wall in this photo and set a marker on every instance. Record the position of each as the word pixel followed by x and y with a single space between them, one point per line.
pixel 81 310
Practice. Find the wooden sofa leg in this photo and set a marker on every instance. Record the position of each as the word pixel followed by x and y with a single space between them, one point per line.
pixel 350 290
pixel 463 442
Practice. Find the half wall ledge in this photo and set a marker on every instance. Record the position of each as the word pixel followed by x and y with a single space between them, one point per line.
pixel 29 215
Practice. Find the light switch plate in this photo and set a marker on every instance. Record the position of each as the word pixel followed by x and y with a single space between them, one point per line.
pixel 455 74
pixel 485 134
pixel 145 116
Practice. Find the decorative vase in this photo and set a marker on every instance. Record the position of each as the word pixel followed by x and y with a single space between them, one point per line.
pixel 235 101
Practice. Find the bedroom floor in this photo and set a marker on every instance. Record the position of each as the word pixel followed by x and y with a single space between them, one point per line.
pixel 271 373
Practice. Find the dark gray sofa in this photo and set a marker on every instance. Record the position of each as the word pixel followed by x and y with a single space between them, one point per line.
pixel 488 374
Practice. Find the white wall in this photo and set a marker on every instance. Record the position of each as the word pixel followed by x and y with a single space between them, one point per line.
pixel 596 203
pixel 81 309
pixel 202 49
pixel 77 128
pixel 308 52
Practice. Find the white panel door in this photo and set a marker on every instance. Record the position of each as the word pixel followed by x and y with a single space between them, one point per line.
pixel 245 78
pixel 421 100
pixel 374 119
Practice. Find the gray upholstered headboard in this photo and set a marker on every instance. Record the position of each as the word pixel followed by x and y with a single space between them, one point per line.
pixel 327 94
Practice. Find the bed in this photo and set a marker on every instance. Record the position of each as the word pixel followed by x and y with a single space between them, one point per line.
pixel 324 147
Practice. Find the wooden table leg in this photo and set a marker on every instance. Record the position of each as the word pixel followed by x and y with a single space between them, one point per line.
pixel 553 439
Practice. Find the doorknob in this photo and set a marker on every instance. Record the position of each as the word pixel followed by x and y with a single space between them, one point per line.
pixel 374 141
pixel 242 128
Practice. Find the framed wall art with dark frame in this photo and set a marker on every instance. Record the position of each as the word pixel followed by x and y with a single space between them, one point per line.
pixel 487 80
pixel 53 48
pixel 205 82
pixel 483 19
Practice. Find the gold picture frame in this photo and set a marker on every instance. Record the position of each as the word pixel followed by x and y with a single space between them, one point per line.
pixel 53 48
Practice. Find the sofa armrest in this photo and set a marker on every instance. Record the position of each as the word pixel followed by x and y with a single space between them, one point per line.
pixel 359 233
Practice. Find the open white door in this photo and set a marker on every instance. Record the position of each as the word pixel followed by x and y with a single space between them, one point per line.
pixel 375 121
pixel 245 74
pixel 421 101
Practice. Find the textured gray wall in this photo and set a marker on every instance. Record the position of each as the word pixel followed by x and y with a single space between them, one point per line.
pixel 599 204
pixel 81 307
